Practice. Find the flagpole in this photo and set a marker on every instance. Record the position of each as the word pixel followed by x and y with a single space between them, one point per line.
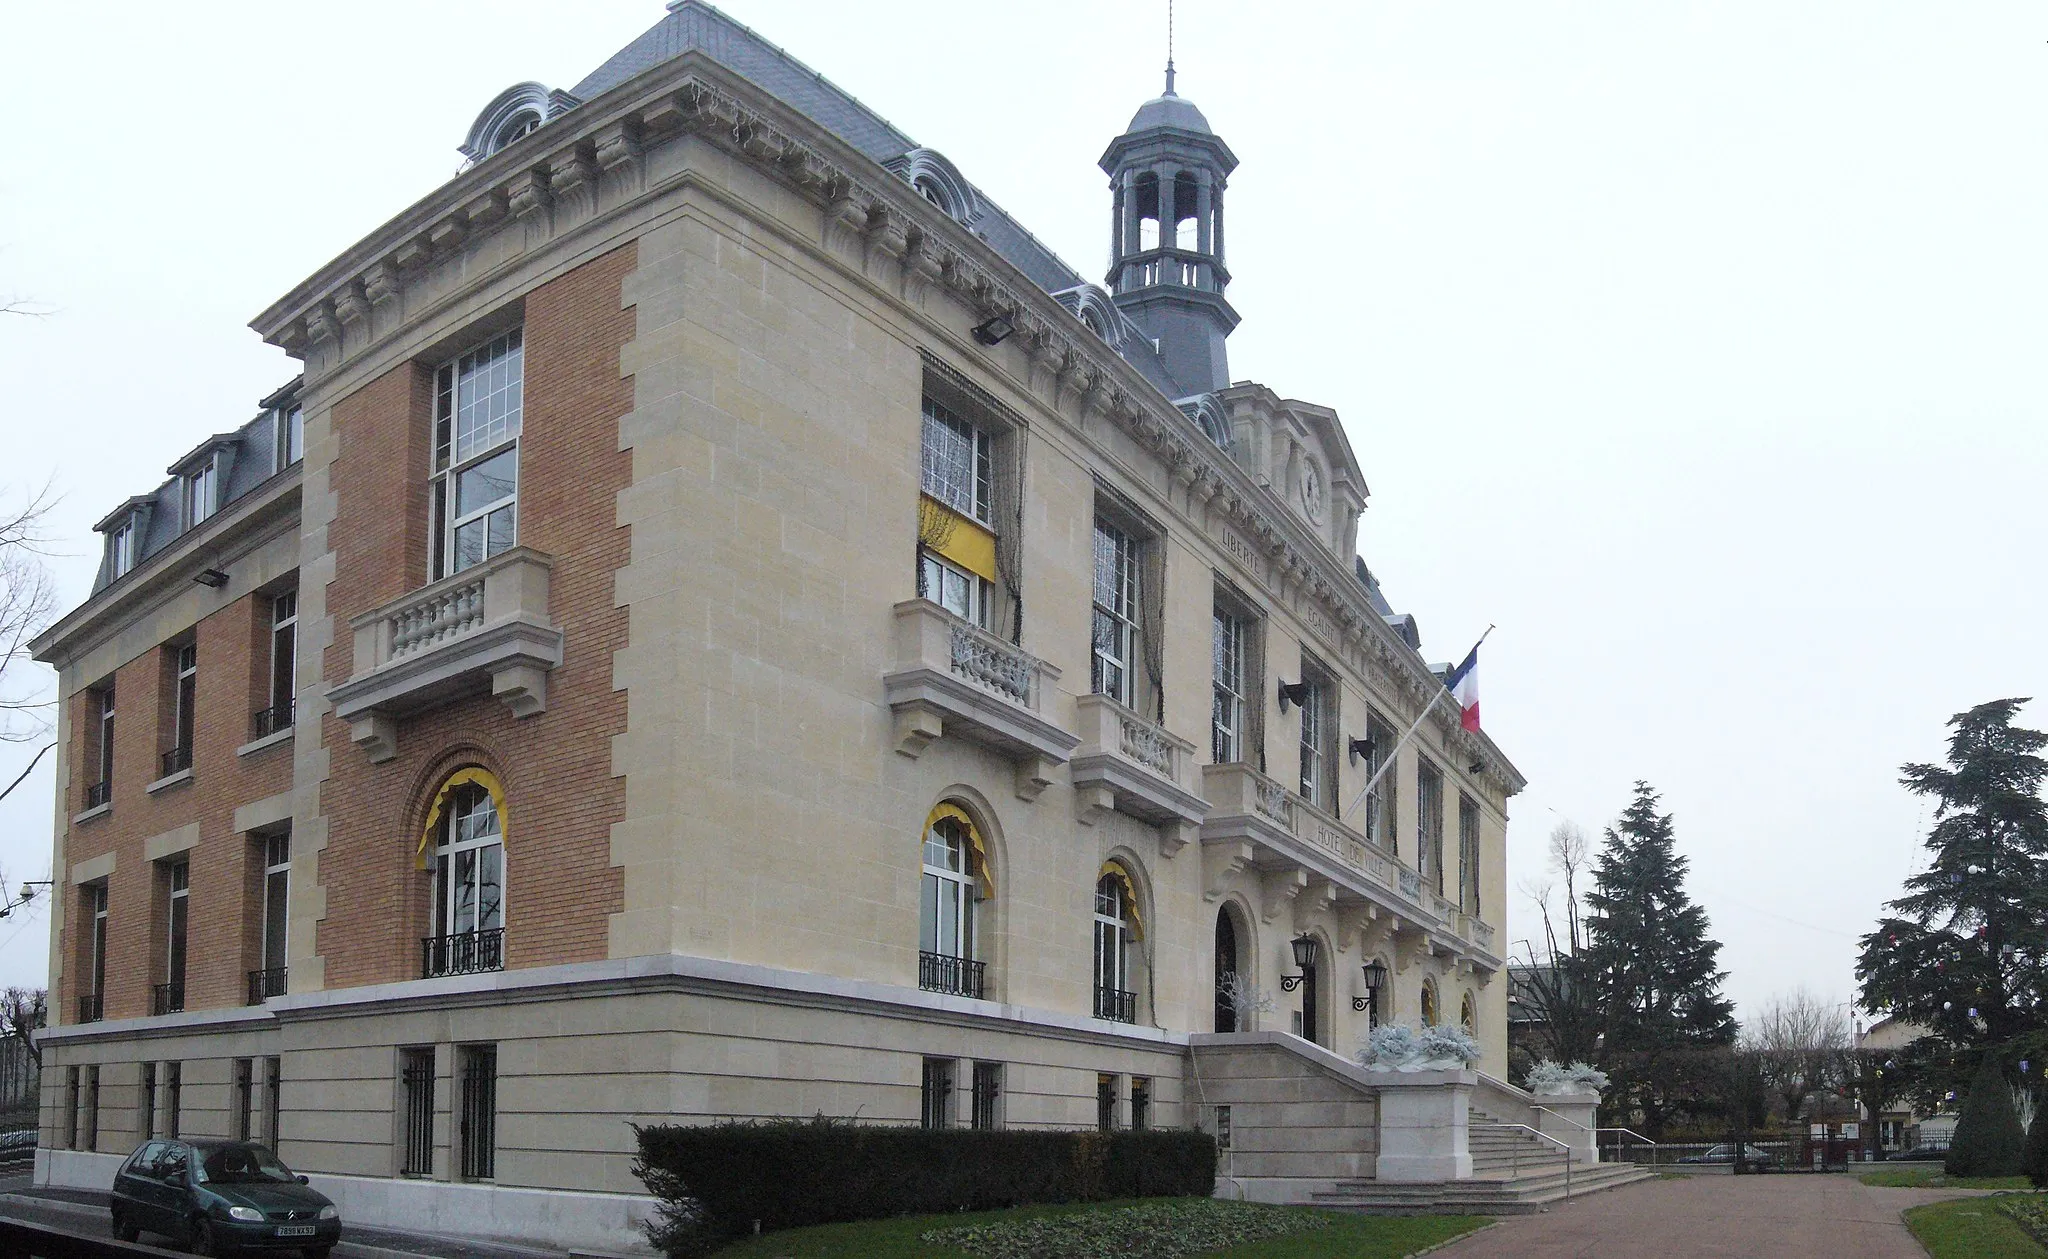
pixel 1387 761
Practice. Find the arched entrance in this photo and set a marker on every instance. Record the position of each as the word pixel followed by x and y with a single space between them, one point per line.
pixel 1228 977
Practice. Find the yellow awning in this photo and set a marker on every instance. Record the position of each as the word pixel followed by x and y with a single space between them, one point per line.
pixel 968 543
pixel 983 869
pixel 1115 870
pixel 461 778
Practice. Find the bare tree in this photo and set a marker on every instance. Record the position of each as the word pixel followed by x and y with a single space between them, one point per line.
pixel 1800 1039
pixel 1568 852
pixel 28 598
pixel 23 1011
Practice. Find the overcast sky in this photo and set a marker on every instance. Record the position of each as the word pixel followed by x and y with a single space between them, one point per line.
pixel 1698 346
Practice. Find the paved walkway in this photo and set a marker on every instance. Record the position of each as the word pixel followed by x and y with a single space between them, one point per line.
pixel 1692 1217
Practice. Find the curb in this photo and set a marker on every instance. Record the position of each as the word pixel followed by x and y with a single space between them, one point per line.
pixel 1452 1241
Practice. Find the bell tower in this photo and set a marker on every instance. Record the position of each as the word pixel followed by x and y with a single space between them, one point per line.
pixel 1166 174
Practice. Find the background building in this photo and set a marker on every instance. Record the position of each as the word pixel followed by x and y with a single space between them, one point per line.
pixel 728 625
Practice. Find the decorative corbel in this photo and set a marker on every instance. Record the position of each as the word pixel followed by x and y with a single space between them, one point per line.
pixel 292 338
pixel 664 116
pixel 449 232
pixel 618 143
pixel 321 324
pixel 413 254
pixel 1318 897
pixel 572 177
pixel 1278 888
pixel 350 306
pixel 1223 861
pixel 526 193
pixel 382 282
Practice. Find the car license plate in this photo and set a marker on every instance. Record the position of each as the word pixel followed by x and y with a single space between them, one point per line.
pixel 295 1230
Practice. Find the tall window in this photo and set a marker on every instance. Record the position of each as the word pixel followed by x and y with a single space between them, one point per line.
pixel 174 1097
pixel 291 436
pixel 1105 1102
pixel 1141 1103
pixel 145 1122
pixel 1318 735
pixel 284 659
pixel 956 563
pixel 273 1082
pixel 202 487
pixel 478 406
pixel 1379 803
pixel 178 880
pixel 245 1098
pixel 946 930
pixel 479 1129
pixel 122 547
pixel 1116 613
pixel 1114 998
pixel 1227 978
pixel 936 1093
pixel 1429 824
pixel 100 792
pixel 1468 854
pixel 1429 1010
pixel 469 886
pixel 184 714
pixel 416 1093
pixel 269 980
pixel 92 1107
pixel 988 1094
pixel 1227 709
pixel 958 463
pixel 92 1003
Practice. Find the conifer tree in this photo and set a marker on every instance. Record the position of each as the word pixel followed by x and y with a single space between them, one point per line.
pixel 1965 951
pixel 2034 1158
pixel 1652 965
pixel 1988 1139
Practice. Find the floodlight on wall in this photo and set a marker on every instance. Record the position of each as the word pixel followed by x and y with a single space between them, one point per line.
pixel 1375 976
pixel 1362 750
pixel 1295 693
pixel 211 577
pixel 1304 946
pixel 993 330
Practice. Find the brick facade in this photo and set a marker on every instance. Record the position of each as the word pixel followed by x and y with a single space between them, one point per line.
pixel 561 796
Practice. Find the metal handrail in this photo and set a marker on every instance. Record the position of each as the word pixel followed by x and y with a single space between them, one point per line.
pixel 1543 1136
pixel 1654 1146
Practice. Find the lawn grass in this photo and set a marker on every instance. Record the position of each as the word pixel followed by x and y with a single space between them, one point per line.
pixel 1343 1236
pixel 1970 1228
pixel 1932 1178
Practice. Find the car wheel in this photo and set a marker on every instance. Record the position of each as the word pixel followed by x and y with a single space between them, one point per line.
pixel 123 1230
pixel 204 1240
pixel 316 1252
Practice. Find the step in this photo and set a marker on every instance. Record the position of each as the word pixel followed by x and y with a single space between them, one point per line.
pixel 1480 1197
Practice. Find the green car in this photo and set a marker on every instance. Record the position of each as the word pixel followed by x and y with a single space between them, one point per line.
pixel 219 1196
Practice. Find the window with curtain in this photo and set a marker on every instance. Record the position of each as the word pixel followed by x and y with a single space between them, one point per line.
pixel 479 408
pixel 1115 637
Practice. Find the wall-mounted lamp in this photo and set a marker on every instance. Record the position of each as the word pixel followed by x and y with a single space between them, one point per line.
pixel 1295 693
pixel 992 330
pixel 212 577
pixel 1362 750
pixel 1375 976
pixel 1304 946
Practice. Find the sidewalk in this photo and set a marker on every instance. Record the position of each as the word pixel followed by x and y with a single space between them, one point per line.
pixel 85 1211
pixel 1753 1217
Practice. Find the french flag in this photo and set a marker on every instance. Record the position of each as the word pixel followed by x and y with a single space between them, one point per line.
pixel 1463 684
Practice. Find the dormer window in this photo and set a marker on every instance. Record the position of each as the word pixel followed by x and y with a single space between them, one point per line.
pixel 202 492
pixel 519 125
pixel 121 548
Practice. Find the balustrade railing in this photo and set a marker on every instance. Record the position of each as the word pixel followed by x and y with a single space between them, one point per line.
pixel 463 953
pixel 991 663
pixel 438 617
pixel 264 984
pixel 943 972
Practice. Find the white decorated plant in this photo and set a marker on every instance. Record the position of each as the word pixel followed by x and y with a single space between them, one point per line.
pixel 1553 1078
pixel 1398 1047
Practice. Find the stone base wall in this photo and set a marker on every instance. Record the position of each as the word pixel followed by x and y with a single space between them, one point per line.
pixel 1300 1118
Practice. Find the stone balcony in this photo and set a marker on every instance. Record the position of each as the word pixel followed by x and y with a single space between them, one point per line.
pixel 485 629
pixel 952 679
pixel 1127 764
pixel 1255 823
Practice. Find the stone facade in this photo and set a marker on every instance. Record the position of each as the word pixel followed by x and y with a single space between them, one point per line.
pixel 721 713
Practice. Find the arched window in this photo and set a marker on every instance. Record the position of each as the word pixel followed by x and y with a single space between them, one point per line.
pixel 466 828
pixel 955 883
pixel 1468 1016
pixel 1428 1003
pixel 1229 980
pixel 1116 926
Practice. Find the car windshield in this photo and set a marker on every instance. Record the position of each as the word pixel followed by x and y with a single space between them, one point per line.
pixel 242 1165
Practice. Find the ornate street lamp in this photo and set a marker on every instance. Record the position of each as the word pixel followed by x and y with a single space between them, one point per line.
pixel 1304 946
pixel 1375 976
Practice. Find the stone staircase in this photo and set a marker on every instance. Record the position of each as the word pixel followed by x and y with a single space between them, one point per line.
pixel 1513 1173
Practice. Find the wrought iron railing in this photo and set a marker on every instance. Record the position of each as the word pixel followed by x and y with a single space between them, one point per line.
pixel 463 953
pixel 99 793
pixel 417 1081
pixel 268 721
pixel 960 976
pixel 264 984
pixel 1115 1003
pixel 167 998
pixel 176 759
pixel 91 1006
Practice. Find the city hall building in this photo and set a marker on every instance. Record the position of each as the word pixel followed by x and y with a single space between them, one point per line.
pixel 727 624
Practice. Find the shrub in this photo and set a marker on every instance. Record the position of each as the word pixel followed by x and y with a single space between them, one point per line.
pixel 715 1182
pixel 2034 1157
pixel 1988 1139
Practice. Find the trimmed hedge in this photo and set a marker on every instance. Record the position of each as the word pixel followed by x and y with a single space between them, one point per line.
pixel 715 1182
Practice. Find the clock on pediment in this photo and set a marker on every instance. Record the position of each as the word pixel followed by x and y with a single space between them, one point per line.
pixel 1311 492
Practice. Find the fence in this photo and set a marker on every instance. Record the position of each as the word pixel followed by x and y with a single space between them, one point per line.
pixel 1708 1152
